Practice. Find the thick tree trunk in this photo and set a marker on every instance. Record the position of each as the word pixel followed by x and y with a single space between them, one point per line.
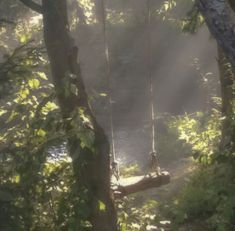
pixel 220 20
pixel 226 72
pixel 91 164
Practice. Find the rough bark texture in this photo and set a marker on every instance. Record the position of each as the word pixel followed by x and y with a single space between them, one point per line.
pixel 91 167
pixel 221 23
pixel 227 80
pixel 143 184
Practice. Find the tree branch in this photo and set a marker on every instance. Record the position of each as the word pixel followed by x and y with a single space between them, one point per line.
pixel 33 6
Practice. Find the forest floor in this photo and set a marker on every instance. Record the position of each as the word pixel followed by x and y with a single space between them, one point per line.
pixel 180 172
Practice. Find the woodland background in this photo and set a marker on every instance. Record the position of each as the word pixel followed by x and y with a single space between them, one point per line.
pixel 194 101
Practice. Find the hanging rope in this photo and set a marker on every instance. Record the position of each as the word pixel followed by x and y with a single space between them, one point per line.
pixel 108 75
pixel 151 90
pixel 153 162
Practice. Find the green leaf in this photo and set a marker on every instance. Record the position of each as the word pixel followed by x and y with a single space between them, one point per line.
pixel 23 38
pixel 34 83
pixel 102 206
pixel 41 133
pixel 50 106
pixel 166 5
pixel 16 179
pixel 2 112
pixel 23 93
pixel 42 75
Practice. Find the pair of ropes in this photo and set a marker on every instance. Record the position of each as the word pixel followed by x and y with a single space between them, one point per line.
pixel 153 158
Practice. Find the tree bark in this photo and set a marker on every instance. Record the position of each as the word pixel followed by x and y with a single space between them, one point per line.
pixel 232 4
pixel 91 166
pixel 220 20
pixel 226 80
pixel 226 73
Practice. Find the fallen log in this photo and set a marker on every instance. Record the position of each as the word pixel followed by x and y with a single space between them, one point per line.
pixel 143 183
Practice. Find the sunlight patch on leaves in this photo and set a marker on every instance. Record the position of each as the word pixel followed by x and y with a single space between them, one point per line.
pixel 34 83
pixel 102 206
pixel 42 75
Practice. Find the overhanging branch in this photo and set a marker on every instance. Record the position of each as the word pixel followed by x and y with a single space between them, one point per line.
pixel 33 6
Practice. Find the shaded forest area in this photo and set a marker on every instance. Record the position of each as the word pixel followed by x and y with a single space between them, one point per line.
pixel 117 115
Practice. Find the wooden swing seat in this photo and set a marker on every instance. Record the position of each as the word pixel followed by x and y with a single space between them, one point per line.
pixel 136 184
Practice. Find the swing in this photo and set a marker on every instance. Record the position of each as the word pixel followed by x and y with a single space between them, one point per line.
pixel 154 177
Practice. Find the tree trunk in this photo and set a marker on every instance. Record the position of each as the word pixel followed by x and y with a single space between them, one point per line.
pixel 220 20
pixel 232 4
pixel 226 72
pixel 91 163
